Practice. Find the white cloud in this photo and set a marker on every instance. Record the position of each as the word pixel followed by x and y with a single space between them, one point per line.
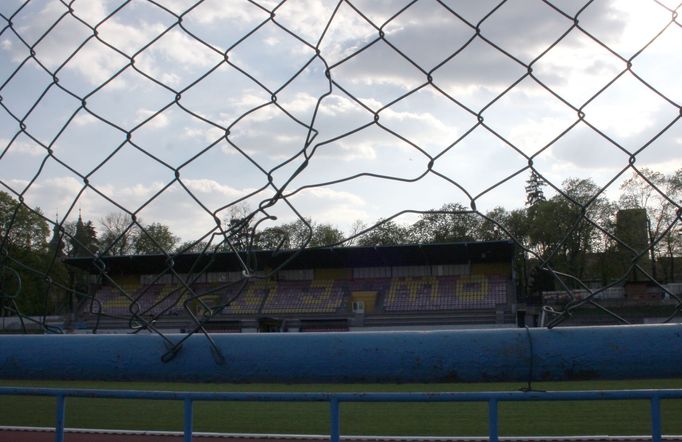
pixel 229 150
pixel 96 64
pixel 208 134
pixel 207 186
pixel 577 68
pixel 377 66
pixel 129 38
pixel 356 151
pixel 171 79
pixel 307 18
pixel 158 122
pixel 531 135
pixel 328 194
pixel 212 11
pixel 272 41
pixel 140 190
pixel 326 205
pixel 347 33
pixel 529 116
pixel 334 105
pixel 23 148
pixel 248 99
pixel 132 197
pixel 54 195
pixel 91 11
pixel 302 103
pixel 83 119
pixel 16 184
pixel 422 128
pixel 178 47
pixel 33 26
pixel 630 113
pixel 625 26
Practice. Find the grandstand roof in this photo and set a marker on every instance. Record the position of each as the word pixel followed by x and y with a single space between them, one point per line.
pixel 330 257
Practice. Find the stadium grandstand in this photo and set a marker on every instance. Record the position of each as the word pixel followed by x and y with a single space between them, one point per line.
pixel 435 286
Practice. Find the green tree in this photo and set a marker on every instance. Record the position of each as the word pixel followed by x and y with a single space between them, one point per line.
pixel 385 233
pixel 492 227
pixel 452 222
pixel 155 239
pixel 325 235
pixel 193 247
pixel 239 231
pixel 21 226
pixel 660 195
pixel 501 224
pixel 24 288
pixel 31 277
pixel 302 233
pixel 296 234
pixel 119 234
pixel 568 227
pixel 354 234
pixel 534 192
pixel 59 282
pixel 272 238
pixel 672 237
pixel 83 241
pixel 517 224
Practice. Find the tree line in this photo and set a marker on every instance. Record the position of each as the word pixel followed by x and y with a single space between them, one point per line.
pixel 576 232
pixel 33 276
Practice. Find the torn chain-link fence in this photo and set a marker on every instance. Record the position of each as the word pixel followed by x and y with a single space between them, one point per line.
pixel 251 126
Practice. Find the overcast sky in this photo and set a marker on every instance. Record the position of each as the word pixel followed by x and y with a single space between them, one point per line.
pixel 176 120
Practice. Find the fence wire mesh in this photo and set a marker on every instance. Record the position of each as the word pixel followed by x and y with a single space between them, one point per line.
pixel 250 126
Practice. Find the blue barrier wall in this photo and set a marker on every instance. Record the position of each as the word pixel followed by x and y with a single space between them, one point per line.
pixel 619 352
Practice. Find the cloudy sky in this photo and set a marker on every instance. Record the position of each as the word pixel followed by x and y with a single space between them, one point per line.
pixel 176 109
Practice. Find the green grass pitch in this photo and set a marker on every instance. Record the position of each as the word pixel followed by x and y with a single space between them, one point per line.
pixel 400 419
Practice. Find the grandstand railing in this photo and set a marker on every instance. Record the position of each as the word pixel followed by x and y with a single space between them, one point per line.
pixel 335 399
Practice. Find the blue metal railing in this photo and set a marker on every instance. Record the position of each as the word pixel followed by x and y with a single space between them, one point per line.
pixel 335 400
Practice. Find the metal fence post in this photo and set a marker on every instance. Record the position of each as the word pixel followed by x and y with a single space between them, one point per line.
pixel 334 420
pixel 188 421
pixel 59 422
pixel 492 420
pixel 656 419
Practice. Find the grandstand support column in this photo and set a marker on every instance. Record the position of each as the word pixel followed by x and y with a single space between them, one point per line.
pixel 613 352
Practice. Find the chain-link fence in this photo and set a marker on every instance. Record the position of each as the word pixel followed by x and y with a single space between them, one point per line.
pixel 176 127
